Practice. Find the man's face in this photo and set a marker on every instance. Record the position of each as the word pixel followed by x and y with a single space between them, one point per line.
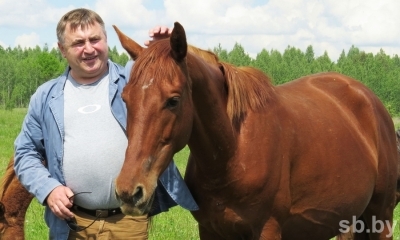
pixel 86 51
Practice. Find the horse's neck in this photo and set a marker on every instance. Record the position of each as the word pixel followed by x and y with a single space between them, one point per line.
pixel 213 137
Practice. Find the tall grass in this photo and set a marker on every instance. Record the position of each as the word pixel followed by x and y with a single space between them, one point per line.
pixel 177 224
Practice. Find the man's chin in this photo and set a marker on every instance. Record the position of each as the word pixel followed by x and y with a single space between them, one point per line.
pixel 96 70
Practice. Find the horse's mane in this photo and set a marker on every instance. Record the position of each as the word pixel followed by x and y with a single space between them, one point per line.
pixel 7 178
pixel 248 87
pixel 206 55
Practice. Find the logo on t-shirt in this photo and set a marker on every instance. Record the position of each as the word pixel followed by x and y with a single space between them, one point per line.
pixel 89 108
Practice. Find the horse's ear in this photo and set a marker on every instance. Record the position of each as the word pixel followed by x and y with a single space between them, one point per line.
pixel 178 42
pixel 128 44
pixel 222 68
pixel 2 210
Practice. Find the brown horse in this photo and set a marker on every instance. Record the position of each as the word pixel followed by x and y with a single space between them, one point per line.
pixel 294 161
pixel 14 202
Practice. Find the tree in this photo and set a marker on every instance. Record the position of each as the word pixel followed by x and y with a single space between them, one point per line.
pixel 262 61
pixel 238 56
pixel 221 53
pixel 323 64
pixel 309 55
pixel 114 55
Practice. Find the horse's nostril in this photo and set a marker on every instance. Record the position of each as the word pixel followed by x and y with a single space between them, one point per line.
pixel 117 195
pixel 138 194
pixel 131 198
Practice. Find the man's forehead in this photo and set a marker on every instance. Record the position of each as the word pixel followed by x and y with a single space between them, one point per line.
pixel 88 30
pixel 77 27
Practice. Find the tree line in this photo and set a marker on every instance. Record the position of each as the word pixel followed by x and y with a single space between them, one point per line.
pixel 23 70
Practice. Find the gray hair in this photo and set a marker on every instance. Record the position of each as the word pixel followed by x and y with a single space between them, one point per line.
pixel 79 17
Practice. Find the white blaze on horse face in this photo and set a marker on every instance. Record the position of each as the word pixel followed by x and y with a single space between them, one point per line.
pixel 145 86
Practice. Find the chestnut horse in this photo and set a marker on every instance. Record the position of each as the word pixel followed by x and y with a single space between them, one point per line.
pixel 293 161
pixel 14 202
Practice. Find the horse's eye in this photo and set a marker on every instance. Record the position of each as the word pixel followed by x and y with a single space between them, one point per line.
pixel 172 102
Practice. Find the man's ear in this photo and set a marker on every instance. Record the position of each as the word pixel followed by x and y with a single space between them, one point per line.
pixel 62 49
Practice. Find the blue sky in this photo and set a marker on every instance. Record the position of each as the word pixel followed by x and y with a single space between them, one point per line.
pixel 327 25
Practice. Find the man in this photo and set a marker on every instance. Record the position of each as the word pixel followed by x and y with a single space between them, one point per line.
pixel 77 123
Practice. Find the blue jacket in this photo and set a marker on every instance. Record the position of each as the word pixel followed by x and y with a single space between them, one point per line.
pixel 42 137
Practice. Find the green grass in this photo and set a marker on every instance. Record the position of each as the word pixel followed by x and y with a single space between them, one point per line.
pixel 177 224
pixel 396 121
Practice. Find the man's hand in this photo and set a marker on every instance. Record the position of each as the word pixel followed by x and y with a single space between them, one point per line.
pixel 59 202
pixel 158 33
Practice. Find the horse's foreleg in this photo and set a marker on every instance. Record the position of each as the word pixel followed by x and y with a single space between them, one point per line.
pixel 271 230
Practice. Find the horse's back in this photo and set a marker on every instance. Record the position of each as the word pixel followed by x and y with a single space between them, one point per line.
pixel 328 91
pixel 343 148
pixel 342 116
pixel 334 100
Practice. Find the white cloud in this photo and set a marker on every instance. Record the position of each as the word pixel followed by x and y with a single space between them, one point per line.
pixel 227 17
pixel 126 13
pixel 131 17
pixel 29 13
pixel 330 25
pixel 28 40
pixel 53 45
pixel 3 44
pixel 369 25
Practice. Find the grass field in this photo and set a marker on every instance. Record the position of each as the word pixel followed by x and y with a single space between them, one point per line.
pixel 177 224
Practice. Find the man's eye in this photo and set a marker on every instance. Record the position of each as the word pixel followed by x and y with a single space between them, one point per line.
pixel 78 44
pixel 93 41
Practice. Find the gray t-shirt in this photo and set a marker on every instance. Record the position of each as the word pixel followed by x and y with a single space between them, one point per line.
pixel 94 146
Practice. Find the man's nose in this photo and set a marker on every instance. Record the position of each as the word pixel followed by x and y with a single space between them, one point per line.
pixel 88 46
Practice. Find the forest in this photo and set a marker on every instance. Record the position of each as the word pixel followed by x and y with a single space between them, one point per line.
pixel 23 70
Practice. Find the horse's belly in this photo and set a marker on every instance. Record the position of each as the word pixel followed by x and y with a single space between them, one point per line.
pixel 221 220
pixel 312 224
pixel 322 199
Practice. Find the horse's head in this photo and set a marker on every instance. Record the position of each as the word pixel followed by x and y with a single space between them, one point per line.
pixel 160 116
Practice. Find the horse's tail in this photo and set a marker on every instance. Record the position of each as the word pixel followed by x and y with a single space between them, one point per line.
pixel 7 177
pixel 14 202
